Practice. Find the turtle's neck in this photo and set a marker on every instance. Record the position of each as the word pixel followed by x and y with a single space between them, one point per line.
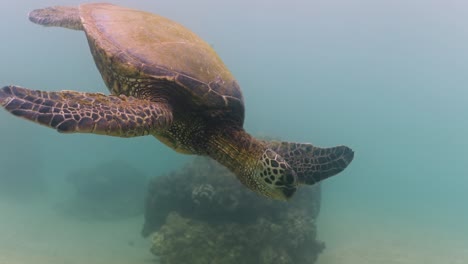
pixel 236 150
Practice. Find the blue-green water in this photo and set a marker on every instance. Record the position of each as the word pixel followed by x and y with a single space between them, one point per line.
pixel 387 78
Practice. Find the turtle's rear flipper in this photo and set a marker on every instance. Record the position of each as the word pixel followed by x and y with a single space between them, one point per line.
pixel 76 112
pixel 57 16
pixel 313 164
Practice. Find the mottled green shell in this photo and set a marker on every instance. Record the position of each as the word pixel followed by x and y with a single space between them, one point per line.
pixel 149 56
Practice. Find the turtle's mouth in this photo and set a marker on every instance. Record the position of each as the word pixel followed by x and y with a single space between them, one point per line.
pixel 282 193
pixel 289 181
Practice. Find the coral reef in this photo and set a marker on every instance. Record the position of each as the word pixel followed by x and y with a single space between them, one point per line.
pixel 110 190
pixel 204 214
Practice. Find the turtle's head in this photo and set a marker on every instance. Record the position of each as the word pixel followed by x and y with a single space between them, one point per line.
pixel 254 162
pixel 274 176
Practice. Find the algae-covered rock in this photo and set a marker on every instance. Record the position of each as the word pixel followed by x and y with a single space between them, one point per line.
pixel 202 213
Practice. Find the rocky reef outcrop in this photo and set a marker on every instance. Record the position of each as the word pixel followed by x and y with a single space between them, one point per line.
pixel 203 214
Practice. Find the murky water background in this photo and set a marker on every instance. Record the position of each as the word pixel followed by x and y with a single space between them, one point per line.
pixel 387 78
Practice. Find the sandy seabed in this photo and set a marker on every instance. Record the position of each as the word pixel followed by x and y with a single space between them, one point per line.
pixel 38 234
pixel 364 236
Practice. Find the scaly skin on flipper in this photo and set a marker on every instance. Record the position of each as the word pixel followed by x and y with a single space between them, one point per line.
pixel 69 112
pixel 57 16
pixel 313 164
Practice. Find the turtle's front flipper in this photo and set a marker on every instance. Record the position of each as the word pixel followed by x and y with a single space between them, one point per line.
pixel 313 164
pixel 76 112
pixel 57 16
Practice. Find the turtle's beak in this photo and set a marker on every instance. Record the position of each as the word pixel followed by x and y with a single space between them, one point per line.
pixel 288 188
pixel 288 192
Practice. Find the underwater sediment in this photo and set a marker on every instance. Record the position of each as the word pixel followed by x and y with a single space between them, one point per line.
pixel 202 213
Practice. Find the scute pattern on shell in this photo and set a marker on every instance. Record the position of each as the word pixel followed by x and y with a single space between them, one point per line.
pixel 134 48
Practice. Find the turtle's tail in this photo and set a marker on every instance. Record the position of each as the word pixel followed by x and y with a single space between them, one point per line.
pixel 57 16
pixel 313 164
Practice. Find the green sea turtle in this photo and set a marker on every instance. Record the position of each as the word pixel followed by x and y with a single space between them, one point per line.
pixel 167 82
